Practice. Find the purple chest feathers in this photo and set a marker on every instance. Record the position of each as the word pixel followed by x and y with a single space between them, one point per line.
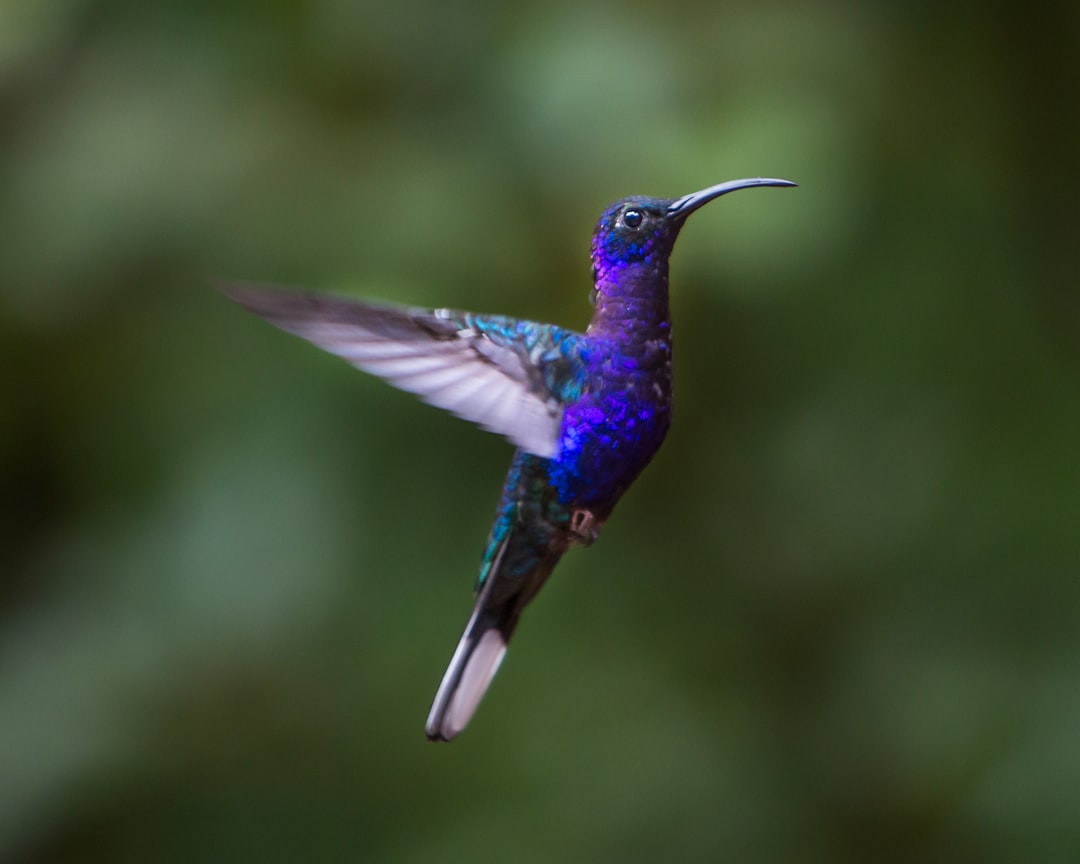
pixel 612 432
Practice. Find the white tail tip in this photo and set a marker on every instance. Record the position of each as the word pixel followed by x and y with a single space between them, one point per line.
pixel 463 688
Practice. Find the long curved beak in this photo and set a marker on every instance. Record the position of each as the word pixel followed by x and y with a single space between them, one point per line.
pixel 686 205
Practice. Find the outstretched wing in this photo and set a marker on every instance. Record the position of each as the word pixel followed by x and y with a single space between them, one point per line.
pixel 511 377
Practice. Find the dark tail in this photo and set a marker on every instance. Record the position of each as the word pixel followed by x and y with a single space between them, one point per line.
pixel 483 644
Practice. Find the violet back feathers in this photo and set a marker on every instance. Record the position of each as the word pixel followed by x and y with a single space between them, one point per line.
pixel 586 411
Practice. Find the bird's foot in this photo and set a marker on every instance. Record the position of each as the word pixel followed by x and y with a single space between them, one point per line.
pixel 584 527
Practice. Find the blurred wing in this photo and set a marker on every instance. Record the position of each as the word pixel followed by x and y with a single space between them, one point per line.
pixel 510 377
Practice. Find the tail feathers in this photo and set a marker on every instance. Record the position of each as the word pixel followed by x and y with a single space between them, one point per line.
pixel 476 658
pixel 471 670
pixel 483 644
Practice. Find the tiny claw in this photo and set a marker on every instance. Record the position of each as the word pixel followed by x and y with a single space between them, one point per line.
pixel 584 527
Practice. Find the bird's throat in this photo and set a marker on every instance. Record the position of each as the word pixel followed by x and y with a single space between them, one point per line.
pixel 632 303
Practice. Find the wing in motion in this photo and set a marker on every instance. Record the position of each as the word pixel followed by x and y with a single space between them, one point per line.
pixel 510 377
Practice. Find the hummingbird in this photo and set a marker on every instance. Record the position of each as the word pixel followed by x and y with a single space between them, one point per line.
pixel 586 411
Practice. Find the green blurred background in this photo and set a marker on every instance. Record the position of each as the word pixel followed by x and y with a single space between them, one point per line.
pixel 836 620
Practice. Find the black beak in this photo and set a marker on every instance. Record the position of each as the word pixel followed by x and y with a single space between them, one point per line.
pixel 686 205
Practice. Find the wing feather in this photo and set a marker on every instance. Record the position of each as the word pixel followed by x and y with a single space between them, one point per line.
pixel 480 368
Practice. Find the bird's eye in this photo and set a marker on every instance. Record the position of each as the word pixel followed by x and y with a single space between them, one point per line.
pixel 632 218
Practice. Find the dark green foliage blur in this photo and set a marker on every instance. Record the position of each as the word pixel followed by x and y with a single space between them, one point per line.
pixel 837 620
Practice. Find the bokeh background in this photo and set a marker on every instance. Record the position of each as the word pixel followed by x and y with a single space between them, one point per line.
pixel 835 621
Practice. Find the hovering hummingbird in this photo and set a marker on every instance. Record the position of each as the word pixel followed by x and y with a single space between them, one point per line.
pixel 587 411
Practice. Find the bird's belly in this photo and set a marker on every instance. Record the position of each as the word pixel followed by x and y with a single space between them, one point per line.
pixel 606 441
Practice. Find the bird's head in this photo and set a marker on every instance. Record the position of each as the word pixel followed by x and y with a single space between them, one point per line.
pixel 641 231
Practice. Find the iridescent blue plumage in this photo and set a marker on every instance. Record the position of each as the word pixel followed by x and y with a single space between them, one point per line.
pixel 587 411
